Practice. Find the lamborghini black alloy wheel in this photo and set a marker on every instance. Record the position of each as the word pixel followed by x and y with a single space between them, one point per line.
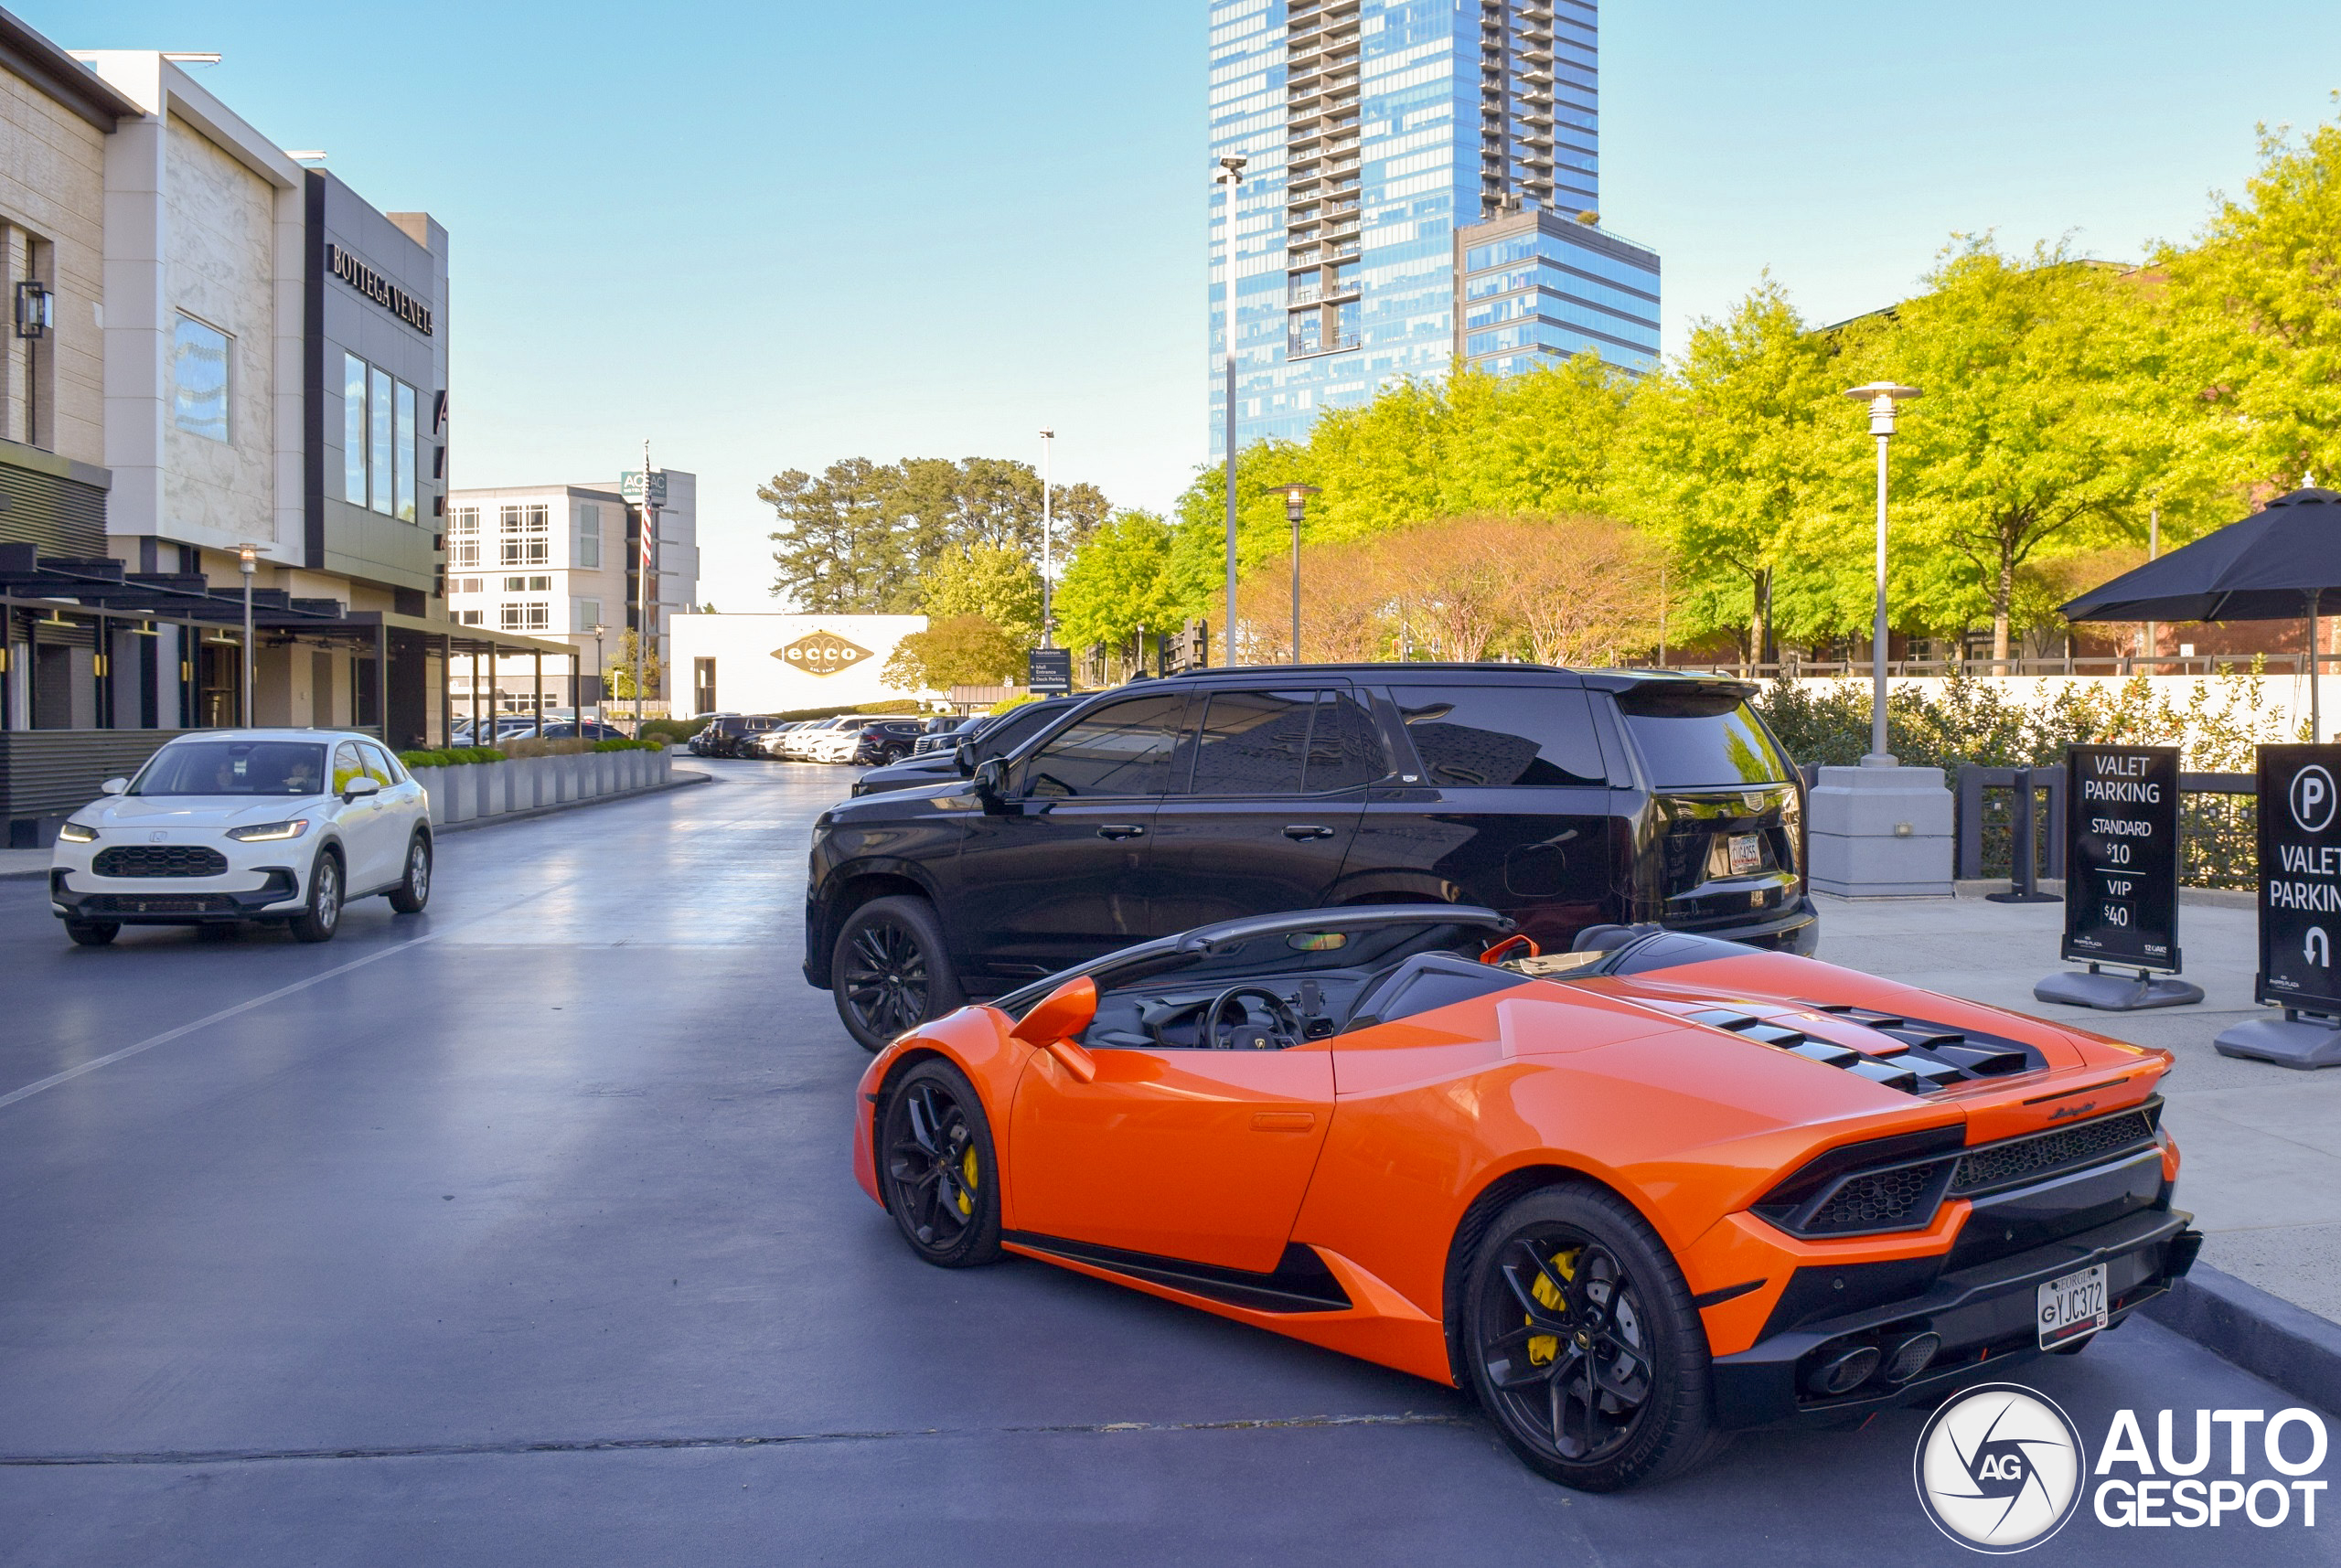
pixel 936 1158
pixel 1581 1338
pixel 1564 1345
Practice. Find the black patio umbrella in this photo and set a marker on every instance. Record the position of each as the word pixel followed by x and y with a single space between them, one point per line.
pixel 2282 563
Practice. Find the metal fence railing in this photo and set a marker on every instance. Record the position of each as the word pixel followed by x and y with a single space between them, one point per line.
pixel 2217 825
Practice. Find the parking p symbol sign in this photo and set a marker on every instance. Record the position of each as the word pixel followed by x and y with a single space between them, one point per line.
pixel 2313 798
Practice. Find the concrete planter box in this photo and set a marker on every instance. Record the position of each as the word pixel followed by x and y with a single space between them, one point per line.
pixel 470 790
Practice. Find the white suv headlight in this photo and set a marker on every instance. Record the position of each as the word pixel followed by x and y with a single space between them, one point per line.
pixel 74 833
pixel 267 831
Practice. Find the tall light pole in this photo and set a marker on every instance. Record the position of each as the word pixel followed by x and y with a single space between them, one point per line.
pixel 1048 638
pixel 600 681
pixel 1296 498
pixel 642 613
pixel 1881 397
pixel 1231 175
pixel 247 561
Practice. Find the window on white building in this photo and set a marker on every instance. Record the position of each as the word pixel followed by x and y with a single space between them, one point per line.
pixel 526 617
pixel 529 584
pixel 587 613
pixel 527 536
pixel 589 535
pixel 199 379
pixel 463 541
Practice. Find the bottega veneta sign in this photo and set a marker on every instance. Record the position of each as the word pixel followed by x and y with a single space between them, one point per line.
pixel 379 289
pixel 820 653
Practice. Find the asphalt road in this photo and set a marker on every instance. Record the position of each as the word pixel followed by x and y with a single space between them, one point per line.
pixel 522 1232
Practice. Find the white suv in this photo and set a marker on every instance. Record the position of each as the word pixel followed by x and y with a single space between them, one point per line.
pixel 229 825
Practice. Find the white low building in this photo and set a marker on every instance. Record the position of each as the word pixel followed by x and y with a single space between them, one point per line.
pixel 779 664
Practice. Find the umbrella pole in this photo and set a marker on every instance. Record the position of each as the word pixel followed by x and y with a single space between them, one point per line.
pixel 2315 718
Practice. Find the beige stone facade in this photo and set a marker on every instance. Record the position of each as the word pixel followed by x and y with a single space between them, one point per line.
pixel 52 230
pixel 220 269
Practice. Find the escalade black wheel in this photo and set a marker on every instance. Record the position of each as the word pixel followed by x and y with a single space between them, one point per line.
pixel 92 932
pixel 1582 1344
pixel 889 971
pixel 937 1168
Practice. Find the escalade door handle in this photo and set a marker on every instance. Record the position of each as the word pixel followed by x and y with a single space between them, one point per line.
pixel 1121 830
pixel 1308 831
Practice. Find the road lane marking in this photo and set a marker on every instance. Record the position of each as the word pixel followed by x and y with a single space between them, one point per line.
pixel 780 1440
pixel 53 1079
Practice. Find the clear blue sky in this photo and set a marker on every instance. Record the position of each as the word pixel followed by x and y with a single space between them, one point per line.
pixel 770 235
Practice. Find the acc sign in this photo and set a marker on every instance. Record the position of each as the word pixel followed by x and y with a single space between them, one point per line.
pixel 822 653
pixel 1999 1469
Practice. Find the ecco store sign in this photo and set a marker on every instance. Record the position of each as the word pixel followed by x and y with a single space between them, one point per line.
pixel 2001 1468
pixel 379 289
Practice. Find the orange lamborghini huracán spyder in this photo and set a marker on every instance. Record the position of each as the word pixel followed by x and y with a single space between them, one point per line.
pixel 1634 1196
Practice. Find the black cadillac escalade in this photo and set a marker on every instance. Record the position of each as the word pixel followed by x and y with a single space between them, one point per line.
pixel 1564 799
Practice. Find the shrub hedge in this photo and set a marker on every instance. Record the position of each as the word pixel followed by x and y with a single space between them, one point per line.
pixel 453 757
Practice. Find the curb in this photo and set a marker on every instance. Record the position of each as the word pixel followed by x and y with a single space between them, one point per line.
pixel 679 780
pixel 2289 1346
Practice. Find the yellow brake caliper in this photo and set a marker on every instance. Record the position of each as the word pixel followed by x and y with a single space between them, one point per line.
pixel 1543 1347
pixel 967 1184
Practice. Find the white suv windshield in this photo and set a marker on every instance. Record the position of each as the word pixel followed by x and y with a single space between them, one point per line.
pixel 234 767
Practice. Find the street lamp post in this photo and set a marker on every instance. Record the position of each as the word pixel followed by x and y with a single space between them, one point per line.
pixel 601 681
pixel 1231 175
pixel 1296 498
pixel 1881 397
pixel 1048 638
pixel 247 561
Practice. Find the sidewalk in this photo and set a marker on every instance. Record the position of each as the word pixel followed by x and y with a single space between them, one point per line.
pixel 2262 1143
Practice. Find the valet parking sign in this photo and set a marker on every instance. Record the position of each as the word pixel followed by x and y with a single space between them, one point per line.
pixel 2300 877
pixel 2121 893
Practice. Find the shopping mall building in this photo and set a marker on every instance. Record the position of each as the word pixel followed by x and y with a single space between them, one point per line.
pixel 213 349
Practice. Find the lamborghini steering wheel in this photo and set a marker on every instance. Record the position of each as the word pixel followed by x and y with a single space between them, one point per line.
pixel 1282 1033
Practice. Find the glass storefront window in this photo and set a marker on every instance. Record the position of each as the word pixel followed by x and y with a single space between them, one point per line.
pixel 385 423
pixel 405 458
pixel 353 430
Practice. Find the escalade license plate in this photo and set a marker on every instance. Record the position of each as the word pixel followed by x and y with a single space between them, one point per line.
pixel 2072 1307
pixel 1747 854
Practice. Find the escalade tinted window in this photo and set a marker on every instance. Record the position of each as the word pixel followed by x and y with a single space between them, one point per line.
pixel 1252 742
pixel 1346 750
pixel 1123 748
pixel 1687 744
pixel 1489 735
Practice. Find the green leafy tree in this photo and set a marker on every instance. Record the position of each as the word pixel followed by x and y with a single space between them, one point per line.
pixel 996 581
pixel 1725 454
pixel 840 552
pixel 1119 583
pixel 962 650
pixel 2042 405
pixel 2262 288
pixel 619 671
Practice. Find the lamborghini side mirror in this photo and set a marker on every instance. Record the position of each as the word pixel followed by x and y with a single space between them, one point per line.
pixel 1058 1018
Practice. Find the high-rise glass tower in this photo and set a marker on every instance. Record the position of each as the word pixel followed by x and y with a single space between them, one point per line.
pixel 1423 185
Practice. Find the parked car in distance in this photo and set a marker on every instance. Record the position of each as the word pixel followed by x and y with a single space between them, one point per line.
pixel 988 735
pixel 805 746
pixel 703 739
pixel 230 825
pixel 886 741
pixel 946 730
pixel 726 732
pixel 592 730
pixel 1562 799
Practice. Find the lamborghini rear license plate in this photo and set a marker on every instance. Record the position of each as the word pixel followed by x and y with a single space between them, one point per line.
pixel 2072 1307
pixel 1747 854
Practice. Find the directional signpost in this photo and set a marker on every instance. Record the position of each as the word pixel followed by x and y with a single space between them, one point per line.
pixel 2300 911
pixel 1050 671
pixel 2121 879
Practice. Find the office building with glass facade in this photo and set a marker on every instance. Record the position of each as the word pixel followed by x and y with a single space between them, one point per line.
pixel 1374 131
